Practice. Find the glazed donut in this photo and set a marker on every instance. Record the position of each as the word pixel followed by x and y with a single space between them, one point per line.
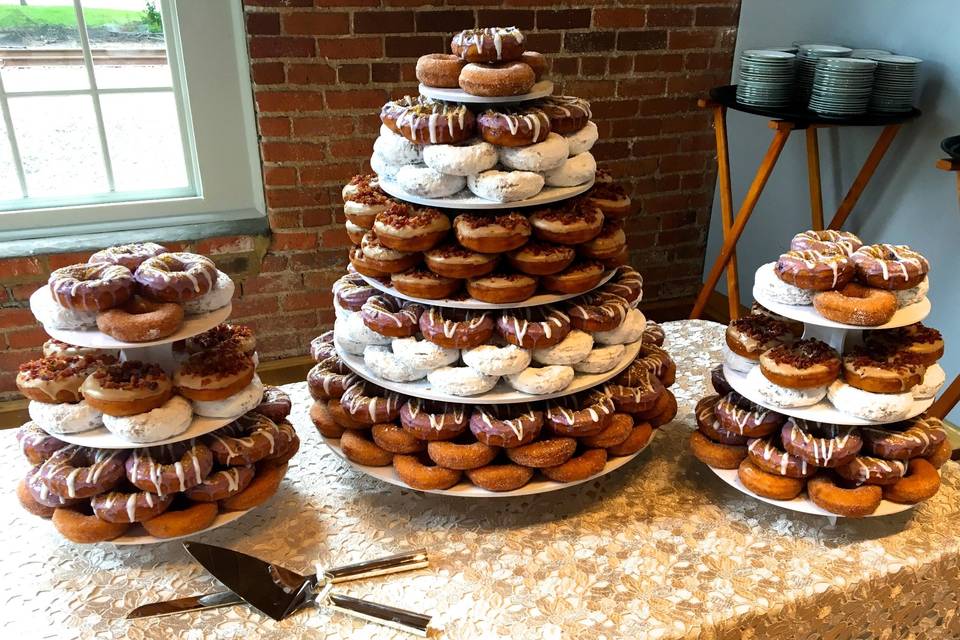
pixel 126 388
pixel 466 159
pixel 389 316
pixel 233 336
pixel 597 311
pixel 601 359
pixel 369 404
pixel 128 507
pixel 637 440
pixel 65 417
pixel 419 282
pixel 751 335
pixel 619 429
pixel 814 270
pixel 801 365
pixel 492 234
pixel 141 320
pixel 542 380
pixel 170 419
pixel 81 472
pixel 247 440
pixel 264 484
pixel 275 403
pixel 513 127
pixel 36 444
pixel 543 156
pixel 453 261
pixel 709 425
pixel 505 186
pixel 572 349
pixel 768 485
pixel 456 329
pixel 500 477
pixel 222 484
pixel 216 374
pixel 423 354
pixel 396 149
pixel 57 379
pixel 538 62
pixel 176 277
pixel 419 472
pixel 855 502
pixel 127 255
pixel 584 415
pixel 534 327
pixel 922 344
pixel 541 258
pixel 409 229
pixel 719 381
pixel 421 180
pixel 79 524
pixel 880 370
pixel 795 326
pixel 492 44
pixel 494 360
pixel 630 330
pixel 377 258
pixel 716 455
pixel 182 518
pixel 642 393
pixel 329 379
pixel 826 241
pixel 769 456
pixel 461 381
pixel 500 287
pixel 386 365
pixel 607 244
pixel 497 79
pixel 440 70
pixel 91 287
pixel 358 183
pixel 362 205
pixel 579 467
pixel 736 413
pixel 870 470
pixel 819 443
pixel 771 286
pixel 548 452
pixel 575 170
pixel 890 266
pixel 506 426
pixel 426 420
pixel 784 397
pixel 453 455
pixel 170 469
pixel 856 304
pixel 879 407
pixel 427 122
pixel 323 420
pixel 395 439
pixel 917 437
pixel 610 198
pixel 567 114
pixel 579 277
pixel 350 292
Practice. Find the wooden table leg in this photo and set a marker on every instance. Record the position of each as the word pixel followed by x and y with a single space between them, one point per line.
pixel 866 172
pixel 947 400
pixel 813 177
pixel 726 206
pixel 783 130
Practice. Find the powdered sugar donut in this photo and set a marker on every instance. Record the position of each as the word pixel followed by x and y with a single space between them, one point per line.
pixel 382 168
pixel 542 380
pixel 572 349
pixel 465 159
pixel 907 297
pixel 630 330
pixel 354 330
pixel 170 419
pixel 383 362
pixel 737 362
pixel 505 186
pixel 576 170
pixel 601 359
pixel 219 296
pixel 421 180
pixel 542 156
pixel 882 407
pixel 583 139
pixel 353 347
pixel 933 379
pixel 778 290
pixel 461 381
pixel 423 354
pixel 493 360
pixel 65 417
pixel 237 404
pixel 396 149
pixel 782 396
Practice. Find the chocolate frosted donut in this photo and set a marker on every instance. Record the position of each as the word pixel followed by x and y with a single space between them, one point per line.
pixel 514 127
pixel 890 266
pixel 567 113
pixel 584 415
pixel 870 470
pixel 719 381
pixel 176 277
pixel 351 291
pixel 428 122
pixel 644 391
pixel 491 44
pixel 329 378
pixel 91 287
pixel 36 444
pixel 166 470
pixel 534 327
pixel 135 506
pixel 736 413
pixel 506 426
pixel 222 484
pixel 456 329
pixel 820 443
pixel 709 426
pixel 128 255
pixel 275 404
pixel 815 270
pixel 826 241
pixel 597 311
pixel 766 454
pixel 428 420
pixel 904 440
pixel 81 472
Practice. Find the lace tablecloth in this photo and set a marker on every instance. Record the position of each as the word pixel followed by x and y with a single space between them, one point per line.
pixel 659 549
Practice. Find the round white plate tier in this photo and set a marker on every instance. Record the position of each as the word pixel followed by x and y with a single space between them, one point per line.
pixel 802 503
pixel 138 535
pixel 102 438
pixel 41 301
pixel 537 300
pixel 466 200
pixel 541 89
pixel 823 411
pixel 465 489
pixel 503 393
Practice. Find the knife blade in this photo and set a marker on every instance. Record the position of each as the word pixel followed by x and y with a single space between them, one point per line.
pixel 183 605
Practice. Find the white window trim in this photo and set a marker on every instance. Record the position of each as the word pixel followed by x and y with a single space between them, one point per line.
pixel 219 133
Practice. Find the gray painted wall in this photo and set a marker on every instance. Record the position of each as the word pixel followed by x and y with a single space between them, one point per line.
pixel 909 201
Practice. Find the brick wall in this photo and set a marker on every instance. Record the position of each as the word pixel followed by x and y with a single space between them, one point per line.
pixel 321 70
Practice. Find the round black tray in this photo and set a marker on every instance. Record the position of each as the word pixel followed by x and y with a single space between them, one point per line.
pixel 951 146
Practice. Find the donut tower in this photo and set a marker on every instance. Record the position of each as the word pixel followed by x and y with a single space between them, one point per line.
pixel 819 405
pixel 148 421
pixel 497 351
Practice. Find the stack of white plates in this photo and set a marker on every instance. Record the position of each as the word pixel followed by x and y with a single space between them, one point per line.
pixel 842 86
pixel 869 53
pixel 766 78
pixel 894 83
pixel 807 57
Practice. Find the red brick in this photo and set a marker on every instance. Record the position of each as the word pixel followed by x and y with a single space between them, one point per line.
pixel 360 99
pixel 382 21
pixel 263 24
pixel 642 86
pixel 614 108
pixel 353 148
pixel 304 300
pixel 273 264
pixel 329 172
pixel 565 67
pixel 244 307
pixel 593 66
pixel 692 83
pixel 353 73
pixel 59 260
pixel 672 17
pixel 385 72
pixel 652 106
pixel 350 48
pixel 279 198
pixel 315 217
pixel 31 338
pixel 543 42
pixel 641 40
pixel 718 16
pixel 267 72
pixel 274 101
pixel 278 3
pixel 311 73
pixel 316 23
pixel 678 163
pixel 292 151
pixel 335 237
pixel 279 176
pixel 286 219
pixel 518 18
pixel 619 18
pixel 20 269
pixel 699 39
pixel 563 19
pixel 412 46
pixel 323 126
pixel 15 317
pixel 446 21
pixel 636 127
pixel 225 244
pixel 287 241
pixel 278 126
pixel 280 47
pixel 591 88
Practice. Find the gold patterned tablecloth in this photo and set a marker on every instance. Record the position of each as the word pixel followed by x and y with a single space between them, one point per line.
pixel 659 549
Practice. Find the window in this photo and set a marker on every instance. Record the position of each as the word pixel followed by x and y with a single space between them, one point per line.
pixel 110 119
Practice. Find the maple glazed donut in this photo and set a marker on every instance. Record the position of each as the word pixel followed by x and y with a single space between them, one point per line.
pixel 441 70
pixel 420 472
pixel 768 485
pixel 420 282
pixel 814 270
pixel 176 277
pixel 491 44
pixel 583 415
pixel 453 261
pixel 410 229
pixel 427 420
pixel 169 469
pixel 533 327
pixel 376 258
pixel 389 316
pixel 91 287
pixel 126 388
pixel 461 456
pixel 880 370
pixel 363 204
pixel 579 277
pixel 826 241
pixel 852 502
pixel 57 379
pixel 141 320
pixel 506 426
pixel 127 255
pixel 541 258
pixel 856 304
pixel 500 287
pixel 214 375
pixel 513 127
pixel 769 456
pixel 497 79
pixel 81 472
pixel 492 234
pixel 750 336
pixel 820 443
pixel 800 365
pixel 890 266
pixel 455 328
pixel 922 344
pixel 597 311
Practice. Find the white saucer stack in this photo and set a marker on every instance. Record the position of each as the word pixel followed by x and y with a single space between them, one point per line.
pixel 842 86
pixel 807 57
pixel 766 78
pixel 895 83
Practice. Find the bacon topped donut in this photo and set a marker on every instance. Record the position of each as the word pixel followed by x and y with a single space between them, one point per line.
pixel 533 327
pixel 491 44
pixel 800 365
pixel 456 329
pixel 91 287
pixel 127 255
pixel 409 229
pixel 815 270
pixel 126 388
pixel 231 336
pixel 923 344
pixel 514 127
pixel 751 335
pixel 610 198
pixel 369 180
pixel 57 378
pixel 890 266
pixel 826 241
pixel 176 277
pixel 215 374
pixel 881 370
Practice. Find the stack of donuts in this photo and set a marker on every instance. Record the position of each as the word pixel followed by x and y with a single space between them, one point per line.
pixel 432 445
pixel 93 495
pixel 135 292
pixel 845 280
pixel 500 257
pixel 845 470
pixel 75 389
pixel 877 380
pixel 536 350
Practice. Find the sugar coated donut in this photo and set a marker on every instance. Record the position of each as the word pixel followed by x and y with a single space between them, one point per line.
pixel 382 168
pixel 637 440
pixel 65 417
pixel 857 502
pixel 940 455
pixel 881 407
pixel 140 320
pixel 714 454
pixel 264 484
pixel 777 290
pixel 537 61
pixel 857 305
pixel 427 420
pixel 629 331
pixel 494 360
pixel 819 443
pixel 395 439
pixel 505 186
pixel 506 426
pixel 455 455
pixel 801 364
pixel 768 485
pixel 737 362
pixel 572 349
pixel 57 317
pixel 913 295
pixel 423 181
pixel 577 169
pixel 890 266
pixel 219 296
pixel 343 419
pixel 815 271
pixel 617 432
pixel 182 519
pixel 542 380
pixel 513 127
pixel 465 159
pixel 826 241
pixel 421 473
pixel 546 452
pixel 396 149
pixel 91 287
pixel 579 467
pixel 784 397
pixel 543 156
pixel 244 400
pixel 491 44
pixel 497 79
pixel 385 364
pixel 461 381
pixel 355 329
pixel 768 455
pixel 322 419
pixel 170 419
pixel 79 524
pixel 423 354
pixel 600 359
pixel 582 140
pixel 440 70
pixel 500 477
